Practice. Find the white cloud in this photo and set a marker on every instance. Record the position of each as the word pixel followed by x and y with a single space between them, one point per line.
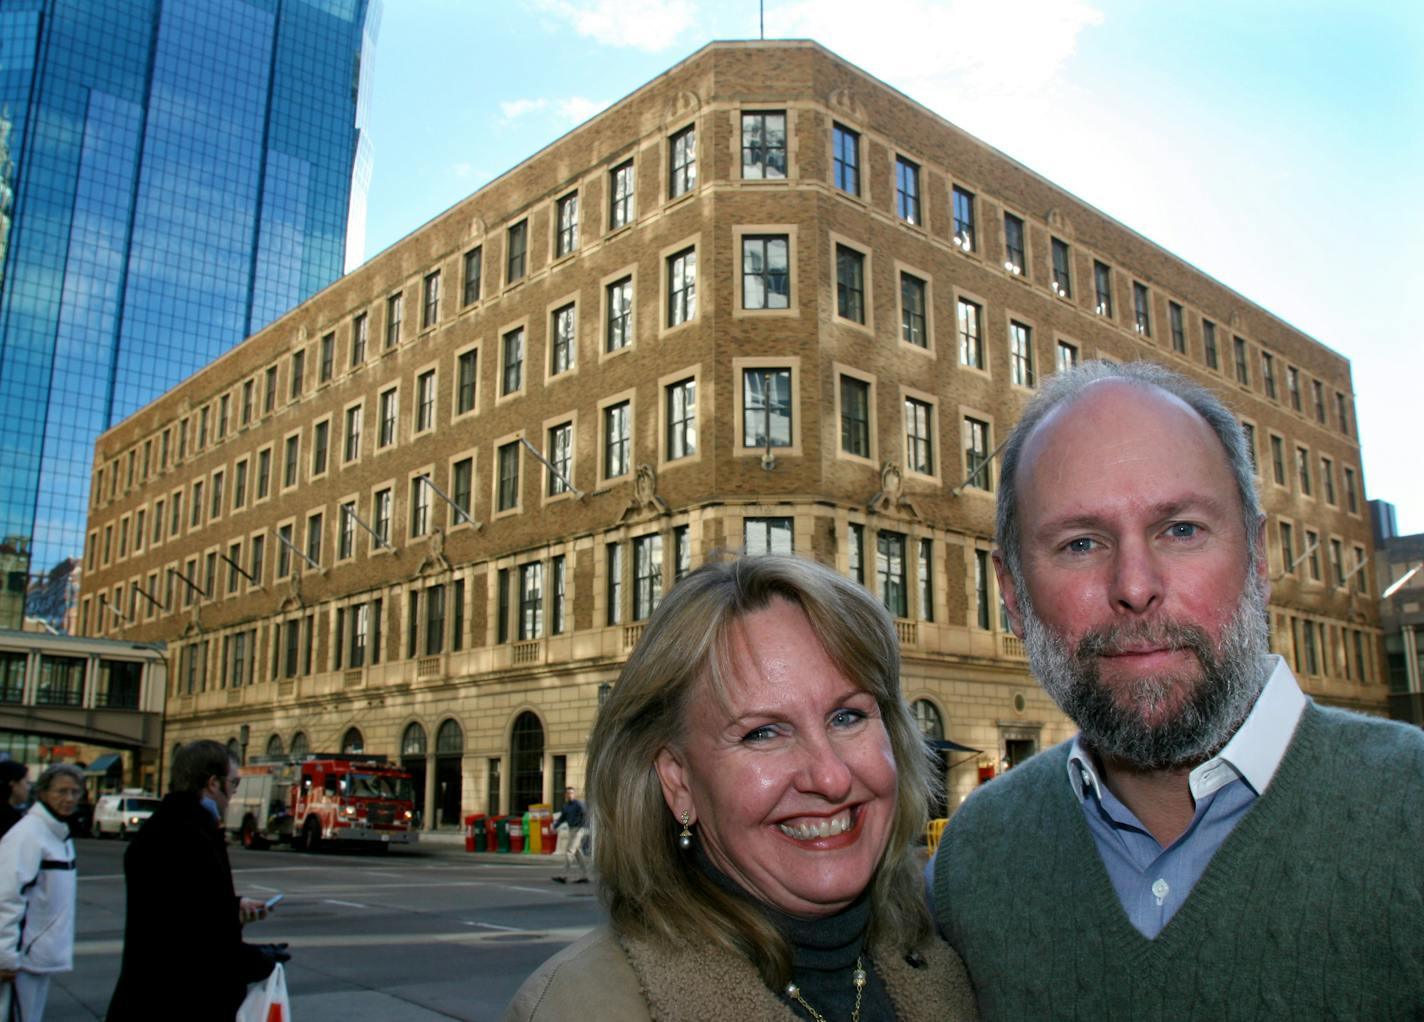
pixel 576 109
pixel 519 107
pixel 569 109
pixel 649 25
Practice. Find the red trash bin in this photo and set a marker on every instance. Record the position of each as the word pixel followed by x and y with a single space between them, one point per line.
pixel 546 834
pixel 475 832
pixel 516 834
pixel 491 833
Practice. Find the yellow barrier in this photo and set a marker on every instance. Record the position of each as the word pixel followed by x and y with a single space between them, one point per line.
pixel 933 830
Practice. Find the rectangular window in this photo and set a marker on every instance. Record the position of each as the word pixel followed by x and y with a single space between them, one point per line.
pixel 981 589
pixel 1243 367
pixel 1141 309
pixel 1102 285
pixel 850 284
pixel 1178 327
pixel 1014 260
pixel 462 484
pixel 299 362
pixel 681 553
pixel 767 536
pixel 395 305
pixel 360 335
pixel 508 476
pixel 419 506
pixel 289 461
pixel 890 572
pixel 426 400
pixel 1342 413
pixel 1351 504
pixel 566 213
pixel 502 606
pixel 1249 432
pixel 1359 574
pixel 619 332
pixel 1293 386
pixel 465 365
pixel 328 357
pixel 430 301
pixel 971 348
pixel 615 583
pixel 1302 467
pixel 1067 356
pixel 766 407
pixel 855 416
pixel 195 509
pixel 217 500
pixel 964 219
pixel 259 545
pixel 616 438
pixel 1312 548
pixel 517 244
pixel 647 575
pixel 381 515
pixel 351 444
pixel 1327 479
pixel 766 272
pixel 1021 369
pixel 925 574
pixel 264 471
pixel 919 447
pixel 246 413
pixel 320 434
pixel 621 208
pixel 412 622
pixel 1278 460
pixel 1337 563
pixel 1317 390
pixel 531 601
pixel 360 634
pixel 681 419
pixel 474 265
pixel 682 286
pixel 1268 374
pixel 913 326
pixel 976 455
pixel 346 531
pixel 512 362
pixel 845 154
pixel 562 346
pixel 284 551
pixel 224 405
pixel 764 144
pixel 1062 270
pixel 907 190
pixel 388 406
pixel 1209 344
pixel 234 563
pixel 682 162
pixel 1287 548
pixel 561 455
pixel 558 600
pixel 314 524
pixel 434 620
pixel 855 551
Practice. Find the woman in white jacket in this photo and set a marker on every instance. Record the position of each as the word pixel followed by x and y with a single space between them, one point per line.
pixel 37 887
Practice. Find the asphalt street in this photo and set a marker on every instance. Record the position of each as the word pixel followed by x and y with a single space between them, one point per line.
pixel 414 935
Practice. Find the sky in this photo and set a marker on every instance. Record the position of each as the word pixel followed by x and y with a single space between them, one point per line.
pixel 1275 145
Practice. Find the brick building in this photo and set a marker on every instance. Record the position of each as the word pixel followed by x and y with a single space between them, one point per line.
pixel 764 302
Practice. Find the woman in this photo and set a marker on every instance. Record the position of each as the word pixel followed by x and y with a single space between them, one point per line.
pixel 37 882
pixel 756 782
pixel 14 793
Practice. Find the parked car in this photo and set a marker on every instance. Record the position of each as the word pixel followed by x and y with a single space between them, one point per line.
pixel 122 814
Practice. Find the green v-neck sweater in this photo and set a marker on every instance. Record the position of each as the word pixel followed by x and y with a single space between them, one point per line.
pixel 1313 908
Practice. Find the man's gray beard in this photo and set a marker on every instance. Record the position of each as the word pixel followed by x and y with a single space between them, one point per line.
pixel 1113 724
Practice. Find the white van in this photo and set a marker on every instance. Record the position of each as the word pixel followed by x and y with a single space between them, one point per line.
pixel 122 814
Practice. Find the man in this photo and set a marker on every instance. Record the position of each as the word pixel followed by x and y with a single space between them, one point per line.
pixel 1212 844
pixel 183 951
pixel 573 819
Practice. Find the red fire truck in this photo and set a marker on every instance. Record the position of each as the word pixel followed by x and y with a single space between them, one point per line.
pixel 319 798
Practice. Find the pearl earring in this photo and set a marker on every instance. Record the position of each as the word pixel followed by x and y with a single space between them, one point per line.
pixel 684 840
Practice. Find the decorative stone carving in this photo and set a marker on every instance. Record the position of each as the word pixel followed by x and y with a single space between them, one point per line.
pixel 890 496
pixel 645 494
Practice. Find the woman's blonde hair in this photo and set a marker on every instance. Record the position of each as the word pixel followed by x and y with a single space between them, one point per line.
pixel 651 887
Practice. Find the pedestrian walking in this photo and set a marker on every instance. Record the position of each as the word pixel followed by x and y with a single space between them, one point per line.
pixel 574 817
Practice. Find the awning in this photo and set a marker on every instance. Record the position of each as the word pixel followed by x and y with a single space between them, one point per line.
pixel 948 746
pixel 110 763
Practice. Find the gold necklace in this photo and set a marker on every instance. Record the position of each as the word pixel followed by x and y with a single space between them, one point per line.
pixel 857 977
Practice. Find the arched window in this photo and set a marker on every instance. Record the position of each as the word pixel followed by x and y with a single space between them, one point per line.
pixel 299 745
pixel 274 746
pixel 352 744
pixel 450 739
pixel 526 782
pixel 413 741
pixel 927 716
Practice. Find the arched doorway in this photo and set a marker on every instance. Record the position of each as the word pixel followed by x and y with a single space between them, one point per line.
pixel 274 747
pixel 299 745
pixel 413 747
pixel 352 744
pixel 931 724
pixel 449 780
pixel 526 760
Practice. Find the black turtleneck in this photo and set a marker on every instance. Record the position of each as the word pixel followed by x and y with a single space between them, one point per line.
pixel 823 955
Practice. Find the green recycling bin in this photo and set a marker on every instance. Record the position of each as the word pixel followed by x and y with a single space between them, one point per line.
pixel 501 833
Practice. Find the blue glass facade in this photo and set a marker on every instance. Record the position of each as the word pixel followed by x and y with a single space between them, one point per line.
pixel 182 174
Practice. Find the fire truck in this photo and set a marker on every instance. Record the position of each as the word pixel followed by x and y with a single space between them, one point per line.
pixel 319 798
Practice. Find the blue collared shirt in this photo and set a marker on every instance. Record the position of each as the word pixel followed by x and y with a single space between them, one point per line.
pixel 1152 882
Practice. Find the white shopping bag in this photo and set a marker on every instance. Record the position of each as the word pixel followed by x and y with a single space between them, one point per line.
pixel 267 1000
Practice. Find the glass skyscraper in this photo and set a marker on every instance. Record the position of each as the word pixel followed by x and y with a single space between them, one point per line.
pixel 181 174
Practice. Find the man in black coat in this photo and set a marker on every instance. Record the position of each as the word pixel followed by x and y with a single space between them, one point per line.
pixel 183 950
